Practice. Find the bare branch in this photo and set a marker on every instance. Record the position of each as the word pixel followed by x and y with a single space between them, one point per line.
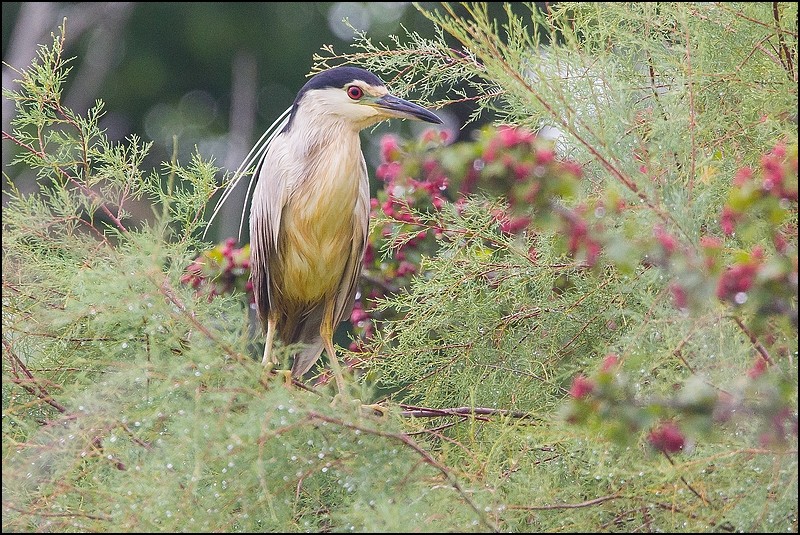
pixel 555 507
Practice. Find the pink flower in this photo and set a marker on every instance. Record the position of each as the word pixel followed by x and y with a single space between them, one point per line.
pixel 667 437
pixel 388 207
pixel 758 369
pixel 710 242
pixel 578 230
pixel 773 175
pixel 433 135
pixel 544 156
pixel 581 387
pixel 429 165
pixel 369 254
pixel 521 170
pixel 593 250
pixel 388 171
pixel 573 168
pixel 736 280
pixel 667 240
pixel 507 136
pixel 513 225
pixel 609 362
pixel 358 314
pixel 406 268
pixel 390 148
pixel 679 296
pixel 781 245
pixel 742 176
pixel 728 220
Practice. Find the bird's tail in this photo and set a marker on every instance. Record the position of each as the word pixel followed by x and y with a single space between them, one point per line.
pixel 305 332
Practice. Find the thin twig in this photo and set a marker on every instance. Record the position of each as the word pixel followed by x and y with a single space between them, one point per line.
pixel 759 347
pixel 587 503
pixel 425 412
pixel 672 508
pixel 169 293
pixel 785 53
pixel 741 15
pixel 86 190
pixel 36 390
pixel 692 114
pixel 683 479
pixel 7 505
pixel 408 441
pixel 437 430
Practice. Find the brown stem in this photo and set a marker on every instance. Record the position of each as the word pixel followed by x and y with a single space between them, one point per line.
pixel 29 382
pixel 683 479
pixel 754 340
pixel 587 503
pixel 785 53
pixel 692 117
pixel 87 191
pixel 425 412
pixel 7 505
pixel 408 441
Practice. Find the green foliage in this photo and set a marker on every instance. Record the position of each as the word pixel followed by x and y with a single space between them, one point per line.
pixel 131 402
pixel 689 309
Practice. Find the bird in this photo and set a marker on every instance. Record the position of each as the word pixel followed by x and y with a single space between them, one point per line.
pixel 309 213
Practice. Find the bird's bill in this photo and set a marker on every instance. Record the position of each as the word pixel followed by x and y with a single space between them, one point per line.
pixel 397 107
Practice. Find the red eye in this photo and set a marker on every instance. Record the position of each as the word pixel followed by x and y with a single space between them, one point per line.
pixel 355 92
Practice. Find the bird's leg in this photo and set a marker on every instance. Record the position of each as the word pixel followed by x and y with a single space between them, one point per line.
pixel 271 327
pixel 326 331
pixel 270 360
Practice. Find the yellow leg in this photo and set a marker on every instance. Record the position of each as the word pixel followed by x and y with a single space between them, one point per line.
pixel 326 331
pixel 268 356
pixel 270 360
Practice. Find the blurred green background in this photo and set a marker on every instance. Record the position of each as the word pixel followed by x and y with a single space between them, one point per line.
pixel 214 75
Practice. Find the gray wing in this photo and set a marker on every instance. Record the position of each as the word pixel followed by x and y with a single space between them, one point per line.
pixel 349 284
pixel 266 207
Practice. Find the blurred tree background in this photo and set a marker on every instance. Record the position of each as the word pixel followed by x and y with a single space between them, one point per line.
pixel 213 75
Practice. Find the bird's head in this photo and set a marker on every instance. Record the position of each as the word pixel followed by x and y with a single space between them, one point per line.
pixel 355 97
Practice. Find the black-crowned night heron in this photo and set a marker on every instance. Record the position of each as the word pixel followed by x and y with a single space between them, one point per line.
pixel 309 215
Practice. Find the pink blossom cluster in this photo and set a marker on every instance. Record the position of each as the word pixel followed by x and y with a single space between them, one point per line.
pixel 221 270
pixel 667 437
pixel 427 174
pixel 776 182
pixel 739 278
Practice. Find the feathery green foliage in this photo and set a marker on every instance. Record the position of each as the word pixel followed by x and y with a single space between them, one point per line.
pixel 131 403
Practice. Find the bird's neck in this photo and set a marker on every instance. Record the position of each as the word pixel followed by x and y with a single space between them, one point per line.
pixel 325 138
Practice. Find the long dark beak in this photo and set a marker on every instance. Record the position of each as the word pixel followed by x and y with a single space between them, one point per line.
pixel 397 107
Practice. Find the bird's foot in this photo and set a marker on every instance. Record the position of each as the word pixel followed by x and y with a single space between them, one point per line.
pixel 268 369
pixel 287 377
pixel 374 410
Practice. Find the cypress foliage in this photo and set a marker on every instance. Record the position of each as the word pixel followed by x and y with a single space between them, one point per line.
pixel 613 348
